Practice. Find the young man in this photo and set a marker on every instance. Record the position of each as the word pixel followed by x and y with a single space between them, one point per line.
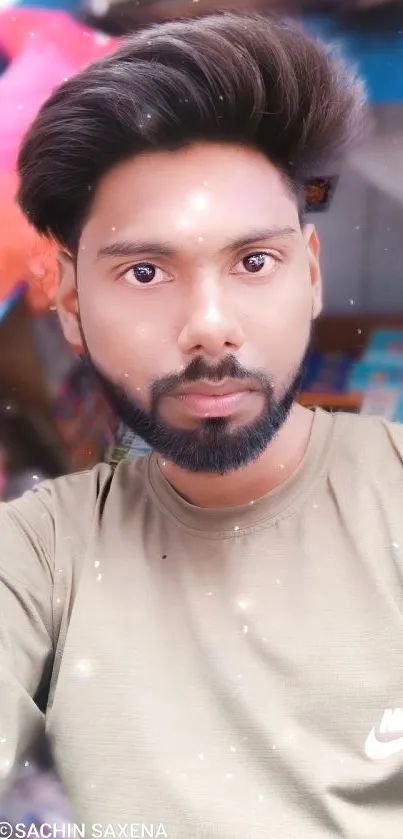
pixel 219 624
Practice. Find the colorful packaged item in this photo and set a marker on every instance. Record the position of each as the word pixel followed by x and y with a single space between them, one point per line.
pixel 381 365
pixel 34 803
pixel 327 372
pixel 386 402
pixel 126 445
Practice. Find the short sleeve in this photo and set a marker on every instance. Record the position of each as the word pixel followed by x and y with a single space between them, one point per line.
pixel 26 620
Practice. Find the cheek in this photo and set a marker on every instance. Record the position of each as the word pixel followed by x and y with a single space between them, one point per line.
pixel 278 331
pixel 125 346
pixel 280 319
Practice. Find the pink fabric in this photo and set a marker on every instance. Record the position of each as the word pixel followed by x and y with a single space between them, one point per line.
pixel 76 41
pixel 29 80
pixel 46 47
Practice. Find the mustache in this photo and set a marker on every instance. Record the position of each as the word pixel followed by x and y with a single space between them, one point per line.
pixel 199 369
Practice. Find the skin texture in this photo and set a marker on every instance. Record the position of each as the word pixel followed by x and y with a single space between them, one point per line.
pixel 198 204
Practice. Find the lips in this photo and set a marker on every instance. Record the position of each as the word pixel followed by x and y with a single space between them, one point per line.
pixel 213 389
pixel 210 399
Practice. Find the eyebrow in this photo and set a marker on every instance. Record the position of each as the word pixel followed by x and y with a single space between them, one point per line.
pixel 132 249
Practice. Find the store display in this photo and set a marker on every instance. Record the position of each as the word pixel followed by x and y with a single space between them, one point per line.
pixel 83 420
pixel 381 365
pixel 327 372
pixel 356 363
pixel 384 402
pixel 85 423
pixel 387 344
pixel 126 445
pixel 53 418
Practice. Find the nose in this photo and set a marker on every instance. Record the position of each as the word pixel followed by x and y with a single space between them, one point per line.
pixel 211 326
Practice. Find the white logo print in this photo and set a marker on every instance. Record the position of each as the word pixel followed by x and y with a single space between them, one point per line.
pixel 391 723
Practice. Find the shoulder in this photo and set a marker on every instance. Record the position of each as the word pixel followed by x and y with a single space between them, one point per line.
pixel 372 443
pixel 66 507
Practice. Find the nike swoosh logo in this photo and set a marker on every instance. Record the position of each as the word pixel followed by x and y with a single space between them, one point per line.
pixel 377 750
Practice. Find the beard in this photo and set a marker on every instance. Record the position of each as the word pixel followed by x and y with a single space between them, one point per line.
pixel 213 447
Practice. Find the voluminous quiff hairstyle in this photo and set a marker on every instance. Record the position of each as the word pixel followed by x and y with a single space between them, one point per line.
pixel 254 81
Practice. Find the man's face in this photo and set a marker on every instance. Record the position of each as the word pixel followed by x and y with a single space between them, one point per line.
pixel 196 292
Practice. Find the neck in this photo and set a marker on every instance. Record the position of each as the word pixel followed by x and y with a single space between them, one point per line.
pixel 277 463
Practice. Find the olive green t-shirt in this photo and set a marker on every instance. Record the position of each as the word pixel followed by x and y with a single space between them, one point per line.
pixel 227 674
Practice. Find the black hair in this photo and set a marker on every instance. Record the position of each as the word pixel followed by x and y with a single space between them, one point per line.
pixel 256 81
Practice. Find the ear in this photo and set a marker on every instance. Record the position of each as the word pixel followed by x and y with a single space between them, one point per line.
pixel 313 251
pixel 67 301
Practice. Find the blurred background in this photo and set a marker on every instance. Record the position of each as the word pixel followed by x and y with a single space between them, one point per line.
pixel 52 418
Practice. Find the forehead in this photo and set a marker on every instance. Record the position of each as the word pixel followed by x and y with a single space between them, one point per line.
pixel 208 191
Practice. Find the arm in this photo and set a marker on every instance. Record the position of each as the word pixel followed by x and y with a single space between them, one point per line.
pixel 26 621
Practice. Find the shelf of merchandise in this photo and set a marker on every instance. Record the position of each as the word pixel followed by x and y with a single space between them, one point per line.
pixel 348 334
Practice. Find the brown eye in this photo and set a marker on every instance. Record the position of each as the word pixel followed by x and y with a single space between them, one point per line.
pixel 261 263
pixel 144 272
pixel 255 262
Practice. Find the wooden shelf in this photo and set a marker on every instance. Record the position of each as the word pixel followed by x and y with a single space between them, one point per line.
pixel 350 333
pixel 338 401
pixel 345 334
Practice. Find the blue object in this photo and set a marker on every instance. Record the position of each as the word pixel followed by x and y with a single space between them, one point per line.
pixel 386 340
pixel 61 5
pixel 378 56
pixel 327 372
pixel 11 300
pixel 3 63
pixel 366 376
pixel 382 363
